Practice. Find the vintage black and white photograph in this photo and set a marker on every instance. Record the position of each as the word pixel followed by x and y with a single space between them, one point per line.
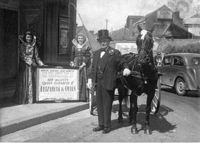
pixel 99 70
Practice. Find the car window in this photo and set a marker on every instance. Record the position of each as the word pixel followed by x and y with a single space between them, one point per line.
pixel 167 61
pixel 196 61
pixel 178 61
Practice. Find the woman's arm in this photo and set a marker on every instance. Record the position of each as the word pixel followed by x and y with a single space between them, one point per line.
pixel 23 56
pixel 88 57
pixel 72 53
pixel 37 58
pixel 72 56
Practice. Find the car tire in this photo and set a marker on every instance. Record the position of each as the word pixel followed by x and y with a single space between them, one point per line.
pixel 180 86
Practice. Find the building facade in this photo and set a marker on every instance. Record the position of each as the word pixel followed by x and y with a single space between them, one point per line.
pixel 131 20
pixel 193 24
pixel 165 22
pixel 52 21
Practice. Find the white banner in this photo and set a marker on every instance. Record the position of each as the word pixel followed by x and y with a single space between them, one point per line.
pixel 57 84
pixel 126 48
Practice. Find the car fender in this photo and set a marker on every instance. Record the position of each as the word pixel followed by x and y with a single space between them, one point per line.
pixel 183 76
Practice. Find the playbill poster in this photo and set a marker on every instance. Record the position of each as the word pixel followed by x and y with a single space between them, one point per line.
pixel 57 84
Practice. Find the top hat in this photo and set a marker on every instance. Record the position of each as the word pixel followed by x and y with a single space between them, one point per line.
pixel 103 35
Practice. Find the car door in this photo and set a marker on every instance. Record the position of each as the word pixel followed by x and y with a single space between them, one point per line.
pixel 165 70
pixel 177 69
pixel 196 70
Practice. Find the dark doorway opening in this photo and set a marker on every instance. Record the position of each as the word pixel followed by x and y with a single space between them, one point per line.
pixel 8 55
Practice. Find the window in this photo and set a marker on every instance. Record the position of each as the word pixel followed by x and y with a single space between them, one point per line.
pixel 196 61
pixel 178 61
pixel 167 61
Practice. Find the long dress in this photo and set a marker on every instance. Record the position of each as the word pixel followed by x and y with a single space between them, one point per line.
pixel 80 56
pixel 29 59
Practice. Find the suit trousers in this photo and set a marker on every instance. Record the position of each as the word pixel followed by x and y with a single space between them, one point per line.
pixel 104 100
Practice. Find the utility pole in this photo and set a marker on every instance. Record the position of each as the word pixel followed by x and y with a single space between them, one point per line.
pixel 106 23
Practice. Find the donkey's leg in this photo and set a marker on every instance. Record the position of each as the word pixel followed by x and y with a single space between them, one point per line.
pixel 150 96
pixel 134 129
pixel 131 109
pixel 122 94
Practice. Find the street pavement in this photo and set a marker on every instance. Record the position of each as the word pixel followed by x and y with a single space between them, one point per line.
pixel 17 117
pixel 177 121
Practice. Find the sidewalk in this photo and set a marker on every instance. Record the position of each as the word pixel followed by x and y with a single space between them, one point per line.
pixel 19 117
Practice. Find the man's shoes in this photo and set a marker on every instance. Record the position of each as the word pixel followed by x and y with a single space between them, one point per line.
pixel 106 130
pixel 99 128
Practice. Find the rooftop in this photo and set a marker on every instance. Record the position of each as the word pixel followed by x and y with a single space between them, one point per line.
pixel 195 19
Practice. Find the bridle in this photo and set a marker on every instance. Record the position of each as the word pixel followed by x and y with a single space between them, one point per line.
pixel 138 74
pixel 146 58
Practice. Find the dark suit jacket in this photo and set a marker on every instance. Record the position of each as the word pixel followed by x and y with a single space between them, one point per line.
pixel 110 62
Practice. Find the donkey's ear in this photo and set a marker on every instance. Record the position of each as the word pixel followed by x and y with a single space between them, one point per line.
pixel 139 28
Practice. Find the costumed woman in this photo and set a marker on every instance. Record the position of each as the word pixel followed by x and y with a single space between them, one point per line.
pixel 81 57
pixel 29 59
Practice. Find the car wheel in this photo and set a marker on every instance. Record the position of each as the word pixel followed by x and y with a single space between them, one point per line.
pixel 180 87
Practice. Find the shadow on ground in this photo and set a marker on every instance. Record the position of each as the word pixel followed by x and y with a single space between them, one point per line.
pixel 158 122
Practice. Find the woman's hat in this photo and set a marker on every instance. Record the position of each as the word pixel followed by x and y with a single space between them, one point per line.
pixel 103 35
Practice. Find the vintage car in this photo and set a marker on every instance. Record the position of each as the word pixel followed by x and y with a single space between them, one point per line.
pixel 181 71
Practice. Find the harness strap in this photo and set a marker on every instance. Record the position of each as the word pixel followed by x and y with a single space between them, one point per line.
pixel 140 70
pixel 124 82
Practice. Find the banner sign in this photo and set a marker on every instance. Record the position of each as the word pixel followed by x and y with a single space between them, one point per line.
pixel 126 48
pixel 57 84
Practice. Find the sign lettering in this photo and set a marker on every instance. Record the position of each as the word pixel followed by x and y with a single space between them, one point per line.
pixel 57 84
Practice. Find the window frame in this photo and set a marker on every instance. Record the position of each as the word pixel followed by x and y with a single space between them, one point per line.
pixel 170 61
pixel 180 61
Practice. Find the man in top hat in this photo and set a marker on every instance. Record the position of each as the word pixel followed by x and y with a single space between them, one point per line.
pixel 104 74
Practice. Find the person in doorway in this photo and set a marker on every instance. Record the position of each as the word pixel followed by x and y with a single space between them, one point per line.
pixel 81 58
pixel 28 60
pixel 103 77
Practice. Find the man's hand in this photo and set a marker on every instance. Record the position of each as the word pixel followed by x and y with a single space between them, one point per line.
pixel 126 72
pixel 83 65
pixel 89 84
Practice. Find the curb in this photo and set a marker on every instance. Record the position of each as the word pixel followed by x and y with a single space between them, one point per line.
pixel 19 125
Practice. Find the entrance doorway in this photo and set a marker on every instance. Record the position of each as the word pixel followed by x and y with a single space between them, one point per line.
pixel 8 52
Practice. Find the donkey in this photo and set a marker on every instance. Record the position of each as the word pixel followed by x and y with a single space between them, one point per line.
pixel 143 78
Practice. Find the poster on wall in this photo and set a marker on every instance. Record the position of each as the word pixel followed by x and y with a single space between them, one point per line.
pixel 64 35
pixel 64 38
pixel 57 84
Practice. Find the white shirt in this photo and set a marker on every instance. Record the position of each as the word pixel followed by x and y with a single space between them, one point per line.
pixel 102 54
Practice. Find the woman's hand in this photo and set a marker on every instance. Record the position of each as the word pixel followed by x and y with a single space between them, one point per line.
pixel 28 61
pixel 72 64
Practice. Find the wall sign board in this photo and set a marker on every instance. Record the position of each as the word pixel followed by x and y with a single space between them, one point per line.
pixel 57 84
